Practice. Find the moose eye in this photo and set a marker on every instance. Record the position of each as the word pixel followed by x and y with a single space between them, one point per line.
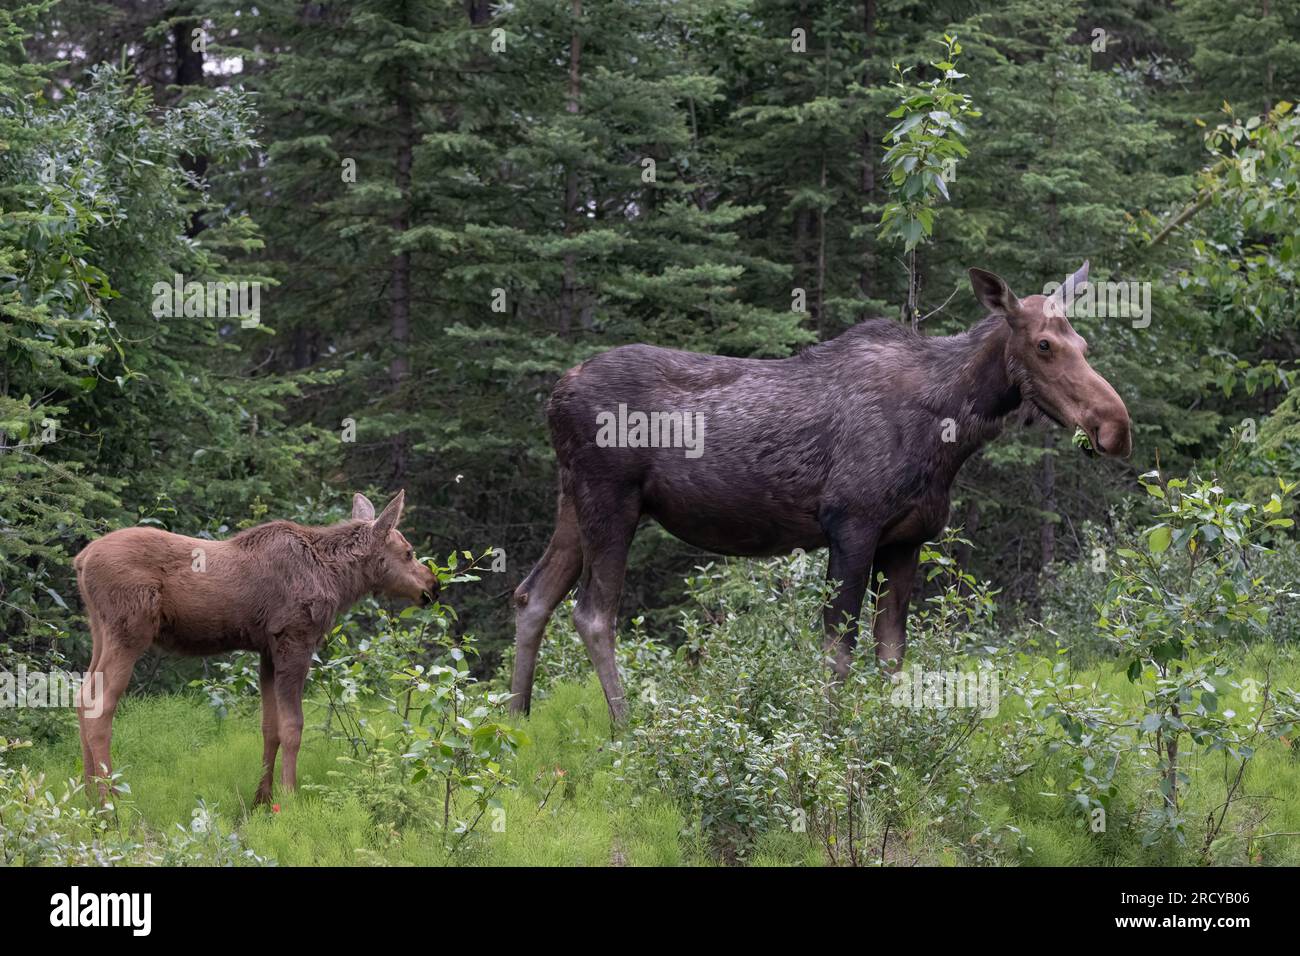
pixel 1044 345
pixel 410 554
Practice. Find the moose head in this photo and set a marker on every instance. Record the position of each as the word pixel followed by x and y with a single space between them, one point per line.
pixel 395 571
pixel 1047 359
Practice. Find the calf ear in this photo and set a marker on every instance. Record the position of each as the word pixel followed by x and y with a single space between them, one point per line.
pixel 387 521
pixel 362 509
pixel 993 292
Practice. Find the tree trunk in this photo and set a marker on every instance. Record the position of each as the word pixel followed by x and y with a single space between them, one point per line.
pixel 821 257
pixel 1047 527
pixel 866 278
pixel 569 287
pixel 1268 70
pixel 189 72
pixel 400 269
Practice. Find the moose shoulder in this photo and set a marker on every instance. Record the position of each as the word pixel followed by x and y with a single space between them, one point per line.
pixel 852 444
pixel 274 589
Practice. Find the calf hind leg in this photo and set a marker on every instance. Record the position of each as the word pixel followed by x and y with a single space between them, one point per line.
pixel 86 696
pixel 536 598
pixel 107 682
pixel 118 644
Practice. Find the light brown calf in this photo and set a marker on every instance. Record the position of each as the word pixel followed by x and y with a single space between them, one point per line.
pixel 275 589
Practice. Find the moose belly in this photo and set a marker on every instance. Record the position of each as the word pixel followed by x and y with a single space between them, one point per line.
pixel 739 527
pixel 196 635
pixel 919 522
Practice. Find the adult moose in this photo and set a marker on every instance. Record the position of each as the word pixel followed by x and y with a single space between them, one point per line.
pixel 275 589
pixel 852 444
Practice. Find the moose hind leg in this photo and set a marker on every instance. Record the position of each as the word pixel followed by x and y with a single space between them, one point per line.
pixel 536 598
pixel 608 524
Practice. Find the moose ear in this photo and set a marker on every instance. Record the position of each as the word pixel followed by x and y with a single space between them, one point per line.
pixel 1073 286
pixel 362 509
pixel 1080 277
pixel 387 521
pixel 993 293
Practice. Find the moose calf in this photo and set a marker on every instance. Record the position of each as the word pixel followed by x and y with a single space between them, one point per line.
pixel 275 589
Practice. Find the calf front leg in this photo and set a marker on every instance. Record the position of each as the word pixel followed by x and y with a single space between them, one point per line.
pixel 898 564
pixel 852 547
pixel 290 679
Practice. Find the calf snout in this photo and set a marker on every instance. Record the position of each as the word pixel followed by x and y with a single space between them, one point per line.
pixel 429 586
pixel 430 592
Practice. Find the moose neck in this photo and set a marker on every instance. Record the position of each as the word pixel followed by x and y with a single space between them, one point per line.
pixel 342 552
pixel 973 387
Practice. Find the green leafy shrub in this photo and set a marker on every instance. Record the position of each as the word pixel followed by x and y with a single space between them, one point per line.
pixel 1174 612
pixel 743 728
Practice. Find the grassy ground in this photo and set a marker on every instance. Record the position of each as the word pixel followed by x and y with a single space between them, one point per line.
pixel 573 808
pixel 173 752
pixel 1263 826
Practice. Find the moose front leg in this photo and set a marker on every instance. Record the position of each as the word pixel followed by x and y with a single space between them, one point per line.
pixel 898 564
pixel 852 547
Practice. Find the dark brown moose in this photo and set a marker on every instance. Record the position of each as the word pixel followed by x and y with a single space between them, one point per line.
pixel 275 589
pixel 852 444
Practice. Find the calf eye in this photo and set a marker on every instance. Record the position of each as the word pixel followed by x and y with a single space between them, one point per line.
pixel 410 554
pixel 1044 346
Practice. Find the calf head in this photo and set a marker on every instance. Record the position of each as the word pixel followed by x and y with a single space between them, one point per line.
pixel 1047 359
pixel 394 571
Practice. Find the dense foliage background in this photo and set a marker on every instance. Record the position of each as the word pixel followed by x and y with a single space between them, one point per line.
pixel 449 202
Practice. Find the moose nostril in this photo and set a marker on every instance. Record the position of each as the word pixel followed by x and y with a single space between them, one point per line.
pixel 1113 438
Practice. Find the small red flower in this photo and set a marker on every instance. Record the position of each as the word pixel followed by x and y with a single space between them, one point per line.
pixel 275 808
